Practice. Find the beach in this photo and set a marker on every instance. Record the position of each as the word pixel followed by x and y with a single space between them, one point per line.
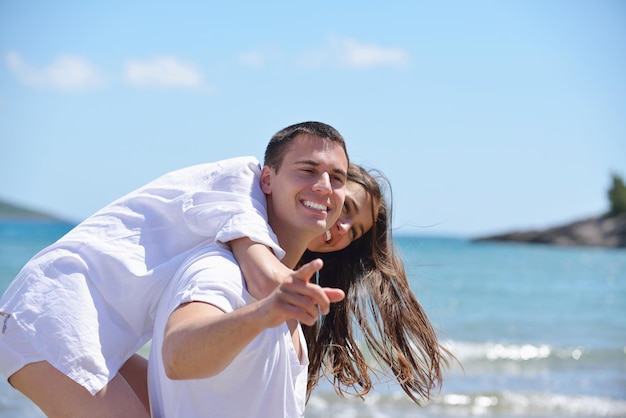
pixel 540 331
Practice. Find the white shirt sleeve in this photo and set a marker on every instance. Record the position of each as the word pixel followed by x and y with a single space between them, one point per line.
pixel 232 206
pixel 211 275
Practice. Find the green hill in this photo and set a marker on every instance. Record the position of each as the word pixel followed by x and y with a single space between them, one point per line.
pixel 11 212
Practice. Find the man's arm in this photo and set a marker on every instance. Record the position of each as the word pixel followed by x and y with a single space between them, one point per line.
pixel 200 340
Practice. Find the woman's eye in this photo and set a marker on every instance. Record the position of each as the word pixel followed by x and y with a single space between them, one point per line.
pixel 346 208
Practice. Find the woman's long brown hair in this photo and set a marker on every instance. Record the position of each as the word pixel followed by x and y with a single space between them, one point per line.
pixel 379 305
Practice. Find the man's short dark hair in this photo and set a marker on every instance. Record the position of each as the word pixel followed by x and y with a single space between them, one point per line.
pixel 277 147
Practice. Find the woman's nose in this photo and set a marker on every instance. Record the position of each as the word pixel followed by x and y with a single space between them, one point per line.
pixel 342 226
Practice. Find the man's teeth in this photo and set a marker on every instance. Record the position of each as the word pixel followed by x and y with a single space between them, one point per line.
pixel 328 236
pixel 315 205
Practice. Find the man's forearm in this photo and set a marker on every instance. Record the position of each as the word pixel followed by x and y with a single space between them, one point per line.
pixel 186 353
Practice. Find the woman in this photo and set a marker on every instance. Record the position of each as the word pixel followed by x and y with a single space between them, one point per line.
pixel 393 324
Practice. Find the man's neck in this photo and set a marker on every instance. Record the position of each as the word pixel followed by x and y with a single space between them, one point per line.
pixel 293 241
pixel 293 251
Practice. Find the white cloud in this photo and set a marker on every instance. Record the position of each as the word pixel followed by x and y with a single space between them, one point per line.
pixel 67 72
pixel 254 59
pixel 352 54
pixel 263 57
pixel 338 52
pixel 313 59
pixel 349 53
pixel 163 72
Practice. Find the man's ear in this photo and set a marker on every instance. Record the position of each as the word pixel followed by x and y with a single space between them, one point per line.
pixel 266 179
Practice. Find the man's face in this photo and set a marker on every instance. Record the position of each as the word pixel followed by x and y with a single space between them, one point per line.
pixel 355 220
pixel 308 191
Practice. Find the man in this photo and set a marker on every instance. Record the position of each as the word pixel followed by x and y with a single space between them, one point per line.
pixel 217 351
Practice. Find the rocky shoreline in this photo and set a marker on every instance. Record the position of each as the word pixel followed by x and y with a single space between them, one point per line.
pixel 608 232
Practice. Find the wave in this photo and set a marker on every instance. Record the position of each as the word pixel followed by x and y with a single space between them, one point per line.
pixel 530 404
pixel 495 404
pixel 470 352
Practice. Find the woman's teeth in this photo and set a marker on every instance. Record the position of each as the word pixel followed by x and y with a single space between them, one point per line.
pixel 328 236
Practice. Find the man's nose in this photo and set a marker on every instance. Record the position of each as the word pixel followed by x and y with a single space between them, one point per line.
pixel 323 183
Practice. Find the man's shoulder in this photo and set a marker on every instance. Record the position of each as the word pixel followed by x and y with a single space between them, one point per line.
pixel 212 269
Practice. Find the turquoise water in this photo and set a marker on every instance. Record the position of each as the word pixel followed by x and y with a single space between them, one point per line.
pixel 540 331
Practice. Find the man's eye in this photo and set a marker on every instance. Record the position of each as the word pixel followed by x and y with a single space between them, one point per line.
pixel 339 179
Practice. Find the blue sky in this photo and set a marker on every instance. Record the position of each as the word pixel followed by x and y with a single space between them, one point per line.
pixel 485 115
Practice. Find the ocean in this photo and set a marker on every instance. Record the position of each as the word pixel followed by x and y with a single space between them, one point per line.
pixel 539 331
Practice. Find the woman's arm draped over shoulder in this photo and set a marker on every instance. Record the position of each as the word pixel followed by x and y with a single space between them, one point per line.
pixel 262 270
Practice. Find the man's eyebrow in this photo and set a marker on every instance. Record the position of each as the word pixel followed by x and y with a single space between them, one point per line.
pixel 309 162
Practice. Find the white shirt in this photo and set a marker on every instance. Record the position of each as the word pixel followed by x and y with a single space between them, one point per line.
pixel 265 380
pixel 88 301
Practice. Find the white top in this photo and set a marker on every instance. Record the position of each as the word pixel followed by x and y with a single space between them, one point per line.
pixel 88 301
pixel 265 380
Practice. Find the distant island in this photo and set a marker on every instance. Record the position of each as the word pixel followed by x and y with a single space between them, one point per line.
pixel 591 232
pixel 608 230
pixel 10 212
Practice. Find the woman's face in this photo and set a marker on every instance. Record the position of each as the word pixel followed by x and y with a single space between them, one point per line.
pixel 355 220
